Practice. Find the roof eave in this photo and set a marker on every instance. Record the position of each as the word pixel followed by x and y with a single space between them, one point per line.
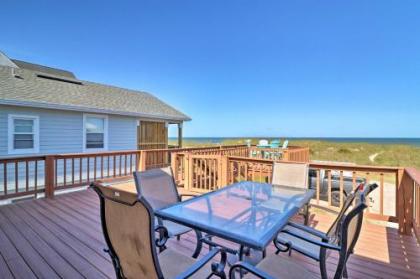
pixel 92 110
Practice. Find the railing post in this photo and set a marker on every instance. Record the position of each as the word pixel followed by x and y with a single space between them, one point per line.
pixel 142 161
pixel 224 171
pixel 175 167
pixel 404 202
pixel 285 155
pixel 49 176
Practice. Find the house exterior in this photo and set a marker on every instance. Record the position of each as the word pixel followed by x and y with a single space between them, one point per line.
pixel 45 110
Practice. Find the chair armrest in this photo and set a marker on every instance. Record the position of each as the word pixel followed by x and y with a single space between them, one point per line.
pixel 200 263
pixel 310 230
pixel 250 268
pixel 313 241
pixel 163 236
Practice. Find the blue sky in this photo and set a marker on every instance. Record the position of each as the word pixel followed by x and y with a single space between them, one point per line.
pixel 240 68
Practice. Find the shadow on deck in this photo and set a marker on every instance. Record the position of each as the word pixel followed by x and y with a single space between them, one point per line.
pixel 62 238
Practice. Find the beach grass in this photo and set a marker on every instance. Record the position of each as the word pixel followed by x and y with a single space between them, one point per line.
pixel 398 155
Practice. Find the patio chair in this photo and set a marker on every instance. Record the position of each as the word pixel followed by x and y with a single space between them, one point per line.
pixel 158 187
pixel 275 144
pixel 292 175
pixel 129 231
pixel 263 143
pixel 295 237
pixel 285 144
pixel 279 267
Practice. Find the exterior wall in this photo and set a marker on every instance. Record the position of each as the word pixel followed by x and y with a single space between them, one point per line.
pixel 62 131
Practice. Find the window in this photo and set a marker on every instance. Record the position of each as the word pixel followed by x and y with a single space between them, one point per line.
pixel 95 132
pixel 23 134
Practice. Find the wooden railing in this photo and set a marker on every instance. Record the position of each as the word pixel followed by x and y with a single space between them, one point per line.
pixel 204 169
pixel 409 201
pixel 292 153
pixel 331 181
pixel 20 176
pixel 30 176
pixel 74 170
pixel 237 150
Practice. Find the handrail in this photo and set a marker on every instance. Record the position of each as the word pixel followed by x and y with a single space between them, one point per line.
pixel 414 174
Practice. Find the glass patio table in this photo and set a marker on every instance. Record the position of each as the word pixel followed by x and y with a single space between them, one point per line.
pixel 247 213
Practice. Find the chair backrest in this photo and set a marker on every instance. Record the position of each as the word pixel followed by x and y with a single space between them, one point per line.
pixel 360 191
pixel 128 227
pixel 263 142
pixel 350 228
pixel 157 186
pixel 290 174
pixel 285 144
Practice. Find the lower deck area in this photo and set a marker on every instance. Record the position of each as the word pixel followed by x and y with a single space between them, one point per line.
pixel 62 238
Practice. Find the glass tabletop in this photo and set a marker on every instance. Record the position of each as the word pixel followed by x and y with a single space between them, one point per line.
pixel 247 213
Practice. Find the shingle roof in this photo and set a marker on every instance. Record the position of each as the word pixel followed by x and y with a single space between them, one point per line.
pixel 28 89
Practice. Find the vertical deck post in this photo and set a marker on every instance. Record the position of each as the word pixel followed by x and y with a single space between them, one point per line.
pixel 285 155
pixel 49 176
pixel 142 161
pixel 404 202
pixel 180 135
pixel 174 166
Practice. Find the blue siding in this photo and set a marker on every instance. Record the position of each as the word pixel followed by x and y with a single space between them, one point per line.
pixel 122 133
pixel 62 131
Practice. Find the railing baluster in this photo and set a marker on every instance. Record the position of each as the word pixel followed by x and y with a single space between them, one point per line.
pixel 36 178
pixel 88 169
pixel 102 166
pixel 64 171
pixel 72 171
pixel 381 193
pixel 341 188
pixel 205 173
pixel 318 185
pixel 368 199
pixel 16 177
pixel 329 187
pixel 56 172
pixel 27 175
pixel 120 174
pixel 107 168
pixel 94 168
pixel 80 170
pixel 114 167
pixel 131 164
pixel 5 177
pixel 125 164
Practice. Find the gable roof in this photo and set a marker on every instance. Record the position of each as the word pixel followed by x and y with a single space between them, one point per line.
pixel 34 85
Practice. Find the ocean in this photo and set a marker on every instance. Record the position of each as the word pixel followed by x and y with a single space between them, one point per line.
pixel 404 141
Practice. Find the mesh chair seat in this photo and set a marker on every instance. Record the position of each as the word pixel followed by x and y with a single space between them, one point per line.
pixel 172 263
pixel 300 245
pixel 280 267
pixel 175 229
pixel 158 187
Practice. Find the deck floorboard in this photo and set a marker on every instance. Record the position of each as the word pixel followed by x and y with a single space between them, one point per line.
pixel 62 238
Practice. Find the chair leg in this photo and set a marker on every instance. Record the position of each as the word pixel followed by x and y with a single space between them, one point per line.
pixel 199 245
pixel 323 266
pixel 306 216
pixel 345 274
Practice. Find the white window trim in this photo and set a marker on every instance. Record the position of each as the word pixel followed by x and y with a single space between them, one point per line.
pixel 105 117
pixel 11 131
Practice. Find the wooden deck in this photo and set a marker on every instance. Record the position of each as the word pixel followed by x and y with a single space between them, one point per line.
pixel 62 238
